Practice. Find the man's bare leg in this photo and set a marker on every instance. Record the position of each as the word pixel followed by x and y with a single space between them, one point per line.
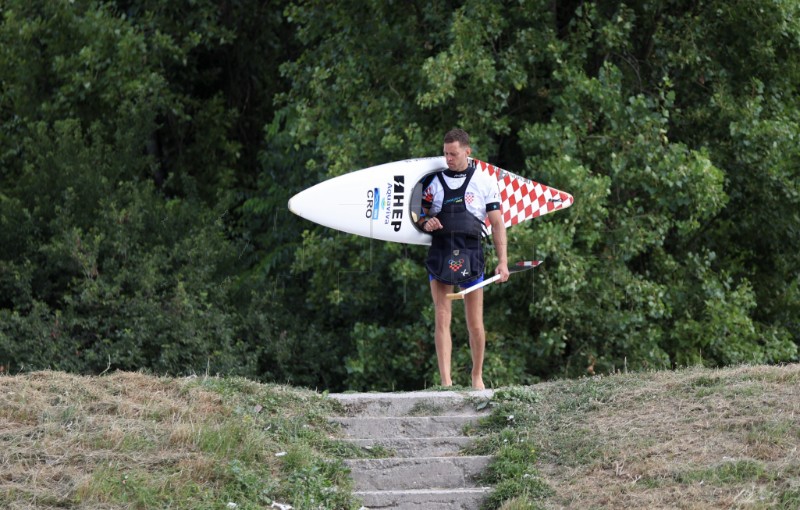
pixel 443 313
pixel 473 305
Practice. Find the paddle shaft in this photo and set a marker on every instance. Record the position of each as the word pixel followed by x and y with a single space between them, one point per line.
pixel 484 283
pixel 516 268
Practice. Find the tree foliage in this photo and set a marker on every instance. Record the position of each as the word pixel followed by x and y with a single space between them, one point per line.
pixel 148 148
pixel 118 146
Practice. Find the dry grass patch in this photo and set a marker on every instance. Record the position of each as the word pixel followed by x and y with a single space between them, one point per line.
pixel 695 438
pixel 130 440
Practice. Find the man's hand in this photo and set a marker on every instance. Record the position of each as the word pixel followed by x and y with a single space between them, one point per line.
pixel 502 270
pixel 432 224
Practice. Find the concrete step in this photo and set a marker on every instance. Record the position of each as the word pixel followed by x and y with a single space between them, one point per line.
pixel 425 499
pixel 425 430
pixel 416 473
pixel 417 446
pixel 410 427
pixel 418 403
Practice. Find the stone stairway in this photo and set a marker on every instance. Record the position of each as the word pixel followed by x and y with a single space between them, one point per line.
pixel 424 430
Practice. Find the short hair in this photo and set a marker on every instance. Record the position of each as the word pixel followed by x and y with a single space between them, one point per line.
pixel 457 135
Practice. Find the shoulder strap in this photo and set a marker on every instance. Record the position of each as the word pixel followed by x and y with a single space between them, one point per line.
pixel 470 171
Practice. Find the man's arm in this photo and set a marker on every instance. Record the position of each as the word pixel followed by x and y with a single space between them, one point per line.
pixel 500 243
pixel 427 222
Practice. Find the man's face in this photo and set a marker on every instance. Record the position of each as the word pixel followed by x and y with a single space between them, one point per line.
pixel 456 156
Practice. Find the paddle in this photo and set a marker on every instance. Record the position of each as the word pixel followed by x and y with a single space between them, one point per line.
pixel 516 268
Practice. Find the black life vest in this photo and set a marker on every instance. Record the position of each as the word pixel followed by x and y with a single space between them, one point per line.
pixel 456 252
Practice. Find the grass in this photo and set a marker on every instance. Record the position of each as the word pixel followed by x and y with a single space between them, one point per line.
pixel 691 439
pixel 694 438
pixel 136 441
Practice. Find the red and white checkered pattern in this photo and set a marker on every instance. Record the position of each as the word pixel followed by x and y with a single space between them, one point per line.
pixel 524 199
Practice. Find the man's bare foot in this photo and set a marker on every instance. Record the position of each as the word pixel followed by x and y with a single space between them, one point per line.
pixel 477 383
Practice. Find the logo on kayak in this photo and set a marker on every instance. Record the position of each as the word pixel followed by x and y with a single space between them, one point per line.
pixel 395 197
pixel 373 203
